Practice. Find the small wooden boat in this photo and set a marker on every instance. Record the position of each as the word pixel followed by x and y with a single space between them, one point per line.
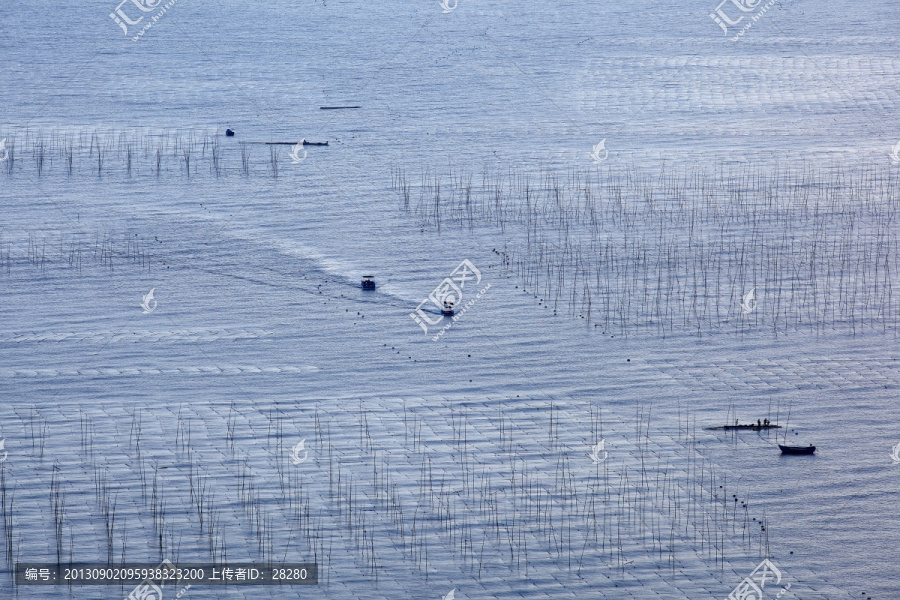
pixel 368 282
pixel 797 449
pixel 447 309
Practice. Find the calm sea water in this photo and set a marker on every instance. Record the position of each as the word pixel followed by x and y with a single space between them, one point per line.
pixel 259 312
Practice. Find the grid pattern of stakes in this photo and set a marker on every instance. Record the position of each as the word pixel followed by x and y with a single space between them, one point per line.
pixel 500 495
pixel 628 252
pixel 75 251
pixel 132 154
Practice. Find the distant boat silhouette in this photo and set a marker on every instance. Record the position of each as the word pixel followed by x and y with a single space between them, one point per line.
pixel 797 449
pixel 229 133
pixel 751 426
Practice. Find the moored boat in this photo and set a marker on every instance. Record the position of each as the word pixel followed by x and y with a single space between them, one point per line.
pixel 797 449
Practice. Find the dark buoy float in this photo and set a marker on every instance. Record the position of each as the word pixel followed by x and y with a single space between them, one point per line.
pixel 229 133
pixel 368 282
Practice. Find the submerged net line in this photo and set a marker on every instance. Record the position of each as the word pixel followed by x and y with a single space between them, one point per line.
pixel 134 153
